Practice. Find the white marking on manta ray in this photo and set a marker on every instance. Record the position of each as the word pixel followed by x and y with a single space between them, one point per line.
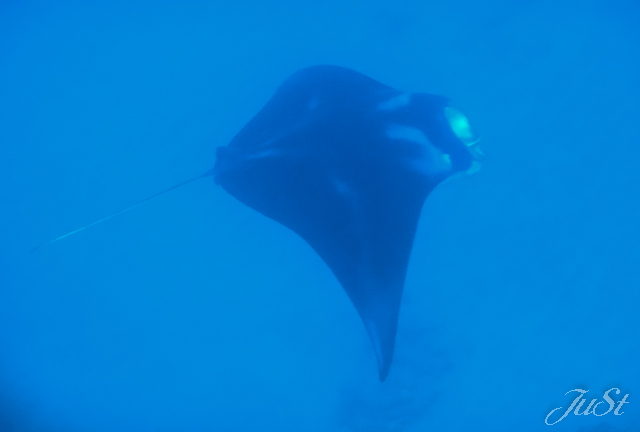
pixel 407 133
pixel 437 161
pixel 395 102
pixel 264 154
pixel 474 168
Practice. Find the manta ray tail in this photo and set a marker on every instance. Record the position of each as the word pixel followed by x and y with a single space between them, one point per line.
pixel 208 173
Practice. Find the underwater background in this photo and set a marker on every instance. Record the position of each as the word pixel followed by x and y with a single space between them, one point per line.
pixel 193 312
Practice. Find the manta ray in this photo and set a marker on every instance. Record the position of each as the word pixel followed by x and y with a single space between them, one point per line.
pixel 346 163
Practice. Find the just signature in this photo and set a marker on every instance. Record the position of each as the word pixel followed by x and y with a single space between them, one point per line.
pixel 591 409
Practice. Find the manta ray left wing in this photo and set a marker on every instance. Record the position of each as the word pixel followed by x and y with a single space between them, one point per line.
pixel 346 163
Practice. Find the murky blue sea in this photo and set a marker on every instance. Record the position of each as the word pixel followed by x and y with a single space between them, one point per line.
pixel 193 312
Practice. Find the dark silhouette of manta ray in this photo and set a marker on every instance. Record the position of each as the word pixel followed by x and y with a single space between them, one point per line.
pixel 346 163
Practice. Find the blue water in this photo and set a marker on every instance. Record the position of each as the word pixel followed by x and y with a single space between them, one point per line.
pixel 195 313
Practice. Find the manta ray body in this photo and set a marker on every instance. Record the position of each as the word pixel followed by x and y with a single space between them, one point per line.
pixel 346 163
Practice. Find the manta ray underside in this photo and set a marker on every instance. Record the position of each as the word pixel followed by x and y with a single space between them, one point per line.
pixel 346 163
